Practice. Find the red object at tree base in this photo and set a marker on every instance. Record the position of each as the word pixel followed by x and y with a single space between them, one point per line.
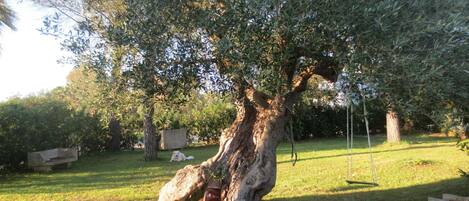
pixel 213 192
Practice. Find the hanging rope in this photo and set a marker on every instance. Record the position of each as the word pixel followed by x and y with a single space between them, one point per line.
pixel 294 155
pixel 370 150
pixel 350 142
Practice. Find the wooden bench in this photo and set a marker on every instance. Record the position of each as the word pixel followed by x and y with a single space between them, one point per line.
pixel 43 161
pixel 449 197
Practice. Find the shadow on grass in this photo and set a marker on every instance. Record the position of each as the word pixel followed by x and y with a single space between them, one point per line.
pixel 458 186
pixel 360 142
pixel 352 187
pixel 362 153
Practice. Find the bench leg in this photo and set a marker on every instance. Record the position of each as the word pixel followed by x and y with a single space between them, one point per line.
pixel 42 169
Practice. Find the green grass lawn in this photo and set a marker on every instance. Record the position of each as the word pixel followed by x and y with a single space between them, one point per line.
pixel 421 166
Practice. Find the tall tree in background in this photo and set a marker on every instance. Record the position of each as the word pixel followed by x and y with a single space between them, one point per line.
pixel 418 64
pixel 96 59
pixel 160 63
pixel 153 60
pixel 100 97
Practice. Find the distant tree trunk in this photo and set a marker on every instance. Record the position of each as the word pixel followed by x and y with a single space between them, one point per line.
pixel 115 131
pixel 462 131
pixel 247 150
pixel 408 126
pixel 150 140
pixel 392 127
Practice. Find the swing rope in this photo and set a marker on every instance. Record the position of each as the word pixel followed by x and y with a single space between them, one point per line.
pixel 294 154
pixel 370 150
pixel 349 139
pixel 350 142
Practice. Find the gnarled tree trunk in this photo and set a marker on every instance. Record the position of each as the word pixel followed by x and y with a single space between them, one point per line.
pixel 393 131
pixel 115 131
pixel 247 149
pixel 150 140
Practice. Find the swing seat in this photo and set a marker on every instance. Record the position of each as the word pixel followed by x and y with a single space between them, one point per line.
pixel 362 182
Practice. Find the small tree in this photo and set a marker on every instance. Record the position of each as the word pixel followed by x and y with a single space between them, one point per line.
pixel 100 96
pixel 152 59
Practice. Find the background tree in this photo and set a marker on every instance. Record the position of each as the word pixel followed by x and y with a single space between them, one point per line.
pixel 417 64
pixel 104 98
pixel 153 61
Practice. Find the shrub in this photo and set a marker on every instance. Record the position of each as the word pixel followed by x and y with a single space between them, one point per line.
pixel 39 123
pixel 313 120
pixel 207 123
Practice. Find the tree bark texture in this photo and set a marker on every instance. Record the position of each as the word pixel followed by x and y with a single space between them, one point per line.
pixel 393 131
pixel 115 131
pixel 247 150
pixel 248 147
pixel 150 140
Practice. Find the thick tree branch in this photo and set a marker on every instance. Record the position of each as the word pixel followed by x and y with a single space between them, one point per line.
pixel 300 81
pixel 260 99
pixel 324 68
pixel 245 89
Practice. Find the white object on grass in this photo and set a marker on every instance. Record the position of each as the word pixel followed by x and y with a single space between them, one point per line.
pixel 179 156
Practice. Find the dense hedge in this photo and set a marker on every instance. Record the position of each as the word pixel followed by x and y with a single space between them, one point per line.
pixel 38 123
pixel 207 121
pixel 313 118
pixel 324 121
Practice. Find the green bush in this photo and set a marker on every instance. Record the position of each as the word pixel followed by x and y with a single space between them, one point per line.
pixel 39 123
pixel 464 145
pixel 208 122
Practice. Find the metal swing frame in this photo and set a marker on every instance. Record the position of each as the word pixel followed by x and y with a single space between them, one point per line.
pixel 350 143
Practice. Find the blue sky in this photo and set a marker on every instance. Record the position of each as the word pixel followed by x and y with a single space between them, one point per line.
pixel 28 59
